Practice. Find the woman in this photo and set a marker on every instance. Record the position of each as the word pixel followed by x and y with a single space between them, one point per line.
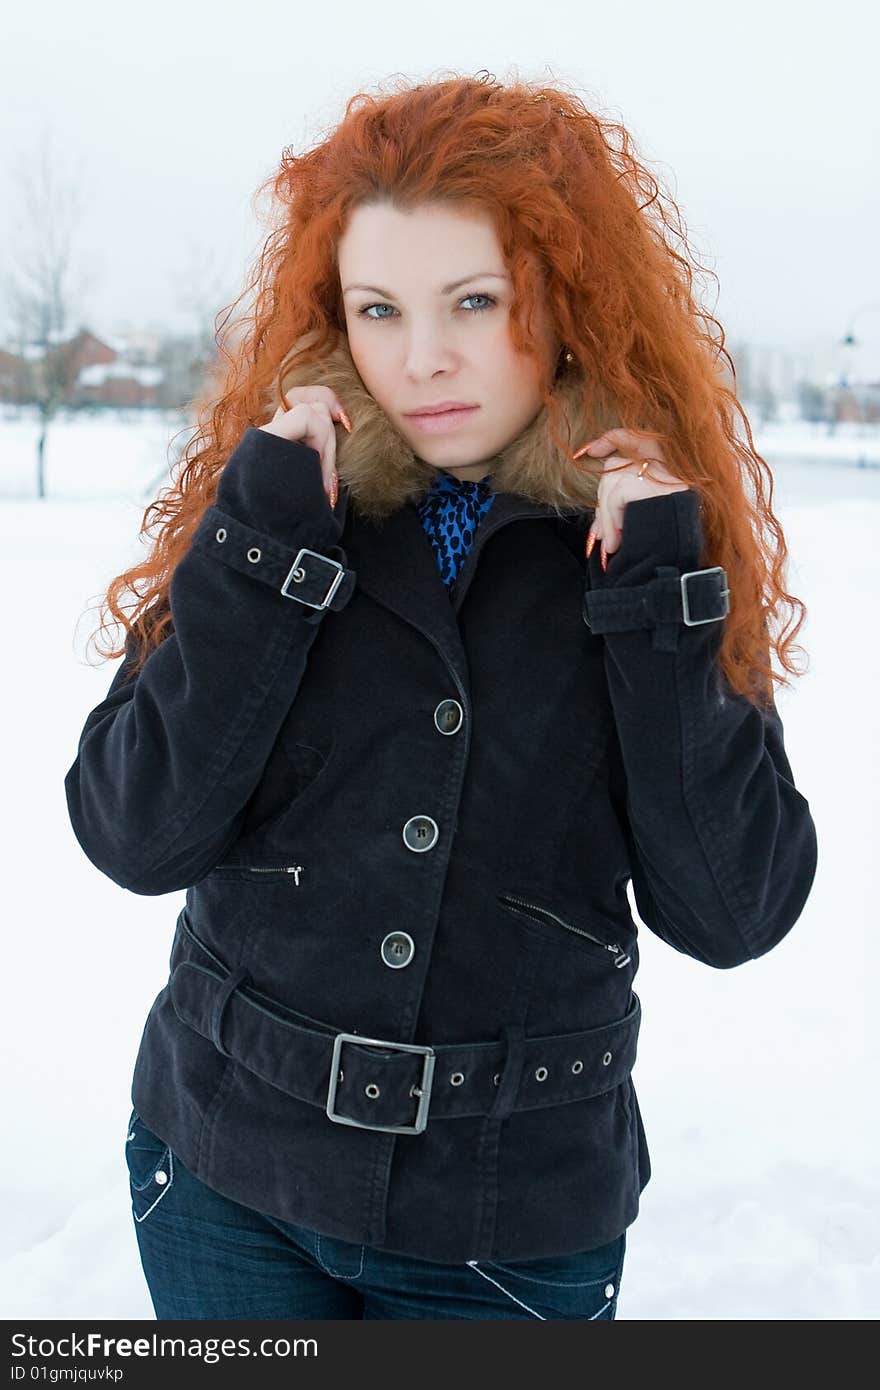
pixel 405 707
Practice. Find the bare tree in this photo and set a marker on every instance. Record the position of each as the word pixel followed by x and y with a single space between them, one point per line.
pixel 188 355
pixel 202 287
pixel 40 284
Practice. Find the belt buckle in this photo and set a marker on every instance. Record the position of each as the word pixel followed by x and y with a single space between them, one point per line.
pixel 296 574
pixel 423 1090
pixel 685 609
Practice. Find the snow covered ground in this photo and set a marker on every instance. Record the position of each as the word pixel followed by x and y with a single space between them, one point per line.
pixel 757 1085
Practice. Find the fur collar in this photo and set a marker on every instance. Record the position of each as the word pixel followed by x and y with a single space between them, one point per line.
pixel 382 473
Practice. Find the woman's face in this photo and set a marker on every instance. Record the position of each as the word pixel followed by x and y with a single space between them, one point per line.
pixel 418 337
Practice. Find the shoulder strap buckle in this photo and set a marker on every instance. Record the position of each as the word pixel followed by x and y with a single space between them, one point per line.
pixel 308 573
pixel 723 594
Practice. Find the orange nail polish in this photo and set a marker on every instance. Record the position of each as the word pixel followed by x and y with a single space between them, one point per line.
pixel 591 541
pixel 604 557
pixel 334 490
pixel 345 420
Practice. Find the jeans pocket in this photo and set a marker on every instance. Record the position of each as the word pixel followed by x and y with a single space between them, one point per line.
pixel 584 1285
pixel 150 1167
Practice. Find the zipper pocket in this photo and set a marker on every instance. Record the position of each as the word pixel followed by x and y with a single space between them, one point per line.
pixel 245 870
pixel 543 914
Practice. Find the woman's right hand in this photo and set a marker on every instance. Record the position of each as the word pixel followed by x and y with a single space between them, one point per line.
pixel 310 420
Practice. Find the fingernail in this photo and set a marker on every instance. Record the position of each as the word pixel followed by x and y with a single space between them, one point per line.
pixel 334 490
pixel 604 557
pixel 345 420
pixel 583 450
pixel 591 541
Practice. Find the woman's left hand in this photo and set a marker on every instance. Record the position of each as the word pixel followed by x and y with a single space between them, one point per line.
pixel 624 485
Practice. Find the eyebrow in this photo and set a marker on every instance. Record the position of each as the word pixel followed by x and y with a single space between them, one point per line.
pixel 447 289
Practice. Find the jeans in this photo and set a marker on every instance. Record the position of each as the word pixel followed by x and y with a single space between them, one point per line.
pixel 205 1256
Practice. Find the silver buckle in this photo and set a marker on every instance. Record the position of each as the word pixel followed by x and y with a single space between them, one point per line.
pixel 297 578
pixel 423 1091
pixel 685 610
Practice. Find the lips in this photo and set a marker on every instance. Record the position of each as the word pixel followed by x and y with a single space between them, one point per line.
pixel 443 421
pixel 443 408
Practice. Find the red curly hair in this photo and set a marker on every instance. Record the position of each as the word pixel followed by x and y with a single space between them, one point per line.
pixel 567 193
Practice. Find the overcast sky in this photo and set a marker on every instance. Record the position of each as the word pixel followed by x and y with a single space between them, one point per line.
pixel 761 117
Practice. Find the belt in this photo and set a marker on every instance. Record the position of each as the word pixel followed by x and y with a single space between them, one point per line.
pixel 382 1084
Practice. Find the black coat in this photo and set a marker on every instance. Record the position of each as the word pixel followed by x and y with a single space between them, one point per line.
pixel 414 820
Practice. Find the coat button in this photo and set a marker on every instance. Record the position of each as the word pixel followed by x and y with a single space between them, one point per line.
pixel 448 716
pixel 420 833
pixel 609 1290
pixel 397 949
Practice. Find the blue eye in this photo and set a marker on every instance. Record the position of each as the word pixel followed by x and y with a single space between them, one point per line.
pixel 365 314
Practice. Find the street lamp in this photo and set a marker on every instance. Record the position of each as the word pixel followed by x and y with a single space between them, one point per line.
pixel 851 343
pixel 849 339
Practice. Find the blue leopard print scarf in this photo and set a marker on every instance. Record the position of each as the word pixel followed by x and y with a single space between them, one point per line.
pixel 450 513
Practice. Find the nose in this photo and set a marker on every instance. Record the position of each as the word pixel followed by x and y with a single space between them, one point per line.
pixel 430 353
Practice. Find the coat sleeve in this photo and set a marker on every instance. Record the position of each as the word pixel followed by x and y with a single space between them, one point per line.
pixel 723 847
pixel 167 763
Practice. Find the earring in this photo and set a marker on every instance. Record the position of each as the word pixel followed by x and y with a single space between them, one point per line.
pixel 565 359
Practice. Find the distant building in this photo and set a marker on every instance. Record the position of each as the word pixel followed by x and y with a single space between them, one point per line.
pixel 118 383
pixel 14 377
pixel 91 372
pixel 858 402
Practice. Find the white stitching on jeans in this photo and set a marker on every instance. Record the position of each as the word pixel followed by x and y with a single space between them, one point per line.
pixel 593 1316
pixel 555 1283
pixel 473 1264
pixel 335 1273
pixel 166 1189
